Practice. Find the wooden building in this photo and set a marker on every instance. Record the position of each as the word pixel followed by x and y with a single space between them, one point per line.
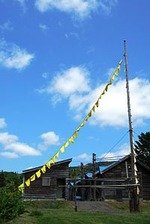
pixel 114 182
pixel 119 173
pixel 51 185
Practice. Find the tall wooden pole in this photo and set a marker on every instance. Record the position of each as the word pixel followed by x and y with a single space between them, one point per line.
pixel 93 164
pixel 134 197
pixel 82 176
pixel 93 175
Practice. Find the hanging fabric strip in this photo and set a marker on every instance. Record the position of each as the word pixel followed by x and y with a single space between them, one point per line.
pixel 75 134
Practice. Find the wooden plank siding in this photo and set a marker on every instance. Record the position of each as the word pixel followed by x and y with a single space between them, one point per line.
pixel 122 169
pixel 57 174
pixel 144 181
pixel 115 182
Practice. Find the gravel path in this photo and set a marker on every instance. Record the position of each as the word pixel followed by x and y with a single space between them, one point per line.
pixel 95 206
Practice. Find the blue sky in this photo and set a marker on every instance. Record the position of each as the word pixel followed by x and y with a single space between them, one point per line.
pixel 55 59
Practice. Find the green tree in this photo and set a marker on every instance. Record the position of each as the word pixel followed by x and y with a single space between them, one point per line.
pixel 142 148
pixel 13 178
pixel 11 203
pixel 10 178
pixel 2 179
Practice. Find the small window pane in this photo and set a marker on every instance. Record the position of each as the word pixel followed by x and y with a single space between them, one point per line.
pixel 46 181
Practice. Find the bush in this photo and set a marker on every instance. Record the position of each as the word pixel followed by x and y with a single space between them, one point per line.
pixel 36 213
pixel 11 203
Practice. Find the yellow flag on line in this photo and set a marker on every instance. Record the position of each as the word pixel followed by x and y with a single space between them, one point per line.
pixel 38 173
pixel 43 169
pixel 48 164
pixel 87 117
pixel 53 159
pixel 116 72
pixel 106 88
pixel 82 124
pixel 93 108
pixel 75 135
pixel 78 129
pixel 32 178
pixel 110 82
pixel 57 154
pixel 27 182
pixel 113 77
pixel 62 149
pixel 97 103
pixel 103 92
pixel 119 67
pixel 71 139
pixel 21 187
pixel 120 62
pixel 66 144
pixel 90 113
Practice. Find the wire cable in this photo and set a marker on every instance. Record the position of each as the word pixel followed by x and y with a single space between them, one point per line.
pixel 113 146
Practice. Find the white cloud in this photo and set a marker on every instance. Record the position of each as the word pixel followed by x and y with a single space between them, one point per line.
pixel 13 148
pixel 68 82
pixel 112 109
pixel 78 8
pixel 114 156
pixel 107 5
pixel 113 106
pixel 10 142
pixel 22 149
pixel 86 158
pixel 74 85
pixel 6 138
pixel 12 56
pixel 49 139
pixel 2 123
pixel 43 27
pixel 22 3
pixel 110 156
pixel 45 75
pixel 9 155
pixel 7 26
pixel 72 34
pixel 78 103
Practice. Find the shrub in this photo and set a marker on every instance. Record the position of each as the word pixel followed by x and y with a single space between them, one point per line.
pixel 36 213
pixel 11 203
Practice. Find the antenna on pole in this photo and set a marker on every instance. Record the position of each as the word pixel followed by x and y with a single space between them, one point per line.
pixel 134 193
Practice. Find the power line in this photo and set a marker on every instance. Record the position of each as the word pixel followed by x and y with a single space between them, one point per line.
pixel 113 146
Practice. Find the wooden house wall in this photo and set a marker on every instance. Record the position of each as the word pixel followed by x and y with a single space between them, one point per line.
pixel 119 171
pixel 116 173
pixel 36 190
pixel 119 174
pixel 144 182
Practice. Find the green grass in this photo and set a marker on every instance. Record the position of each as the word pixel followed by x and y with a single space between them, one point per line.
pixel 56 212
pixel 124 206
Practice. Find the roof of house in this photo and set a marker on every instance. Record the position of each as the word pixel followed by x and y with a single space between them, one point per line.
pixel 55 164
pixel 115 163
pixel 122 160
pixel 90 175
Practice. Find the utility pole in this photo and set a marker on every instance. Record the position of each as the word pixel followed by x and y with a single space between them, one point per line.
pixel 93 164
pixel 93 175
pixel 82 172
pixel 82 182
pixel 134 192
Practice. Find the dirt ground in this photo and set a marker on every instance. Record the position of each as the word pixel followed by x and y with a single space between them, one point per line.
pixel 95 206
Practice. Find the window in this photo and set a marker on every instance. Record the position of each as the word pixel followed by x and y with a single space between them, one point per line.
pixel 46 181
